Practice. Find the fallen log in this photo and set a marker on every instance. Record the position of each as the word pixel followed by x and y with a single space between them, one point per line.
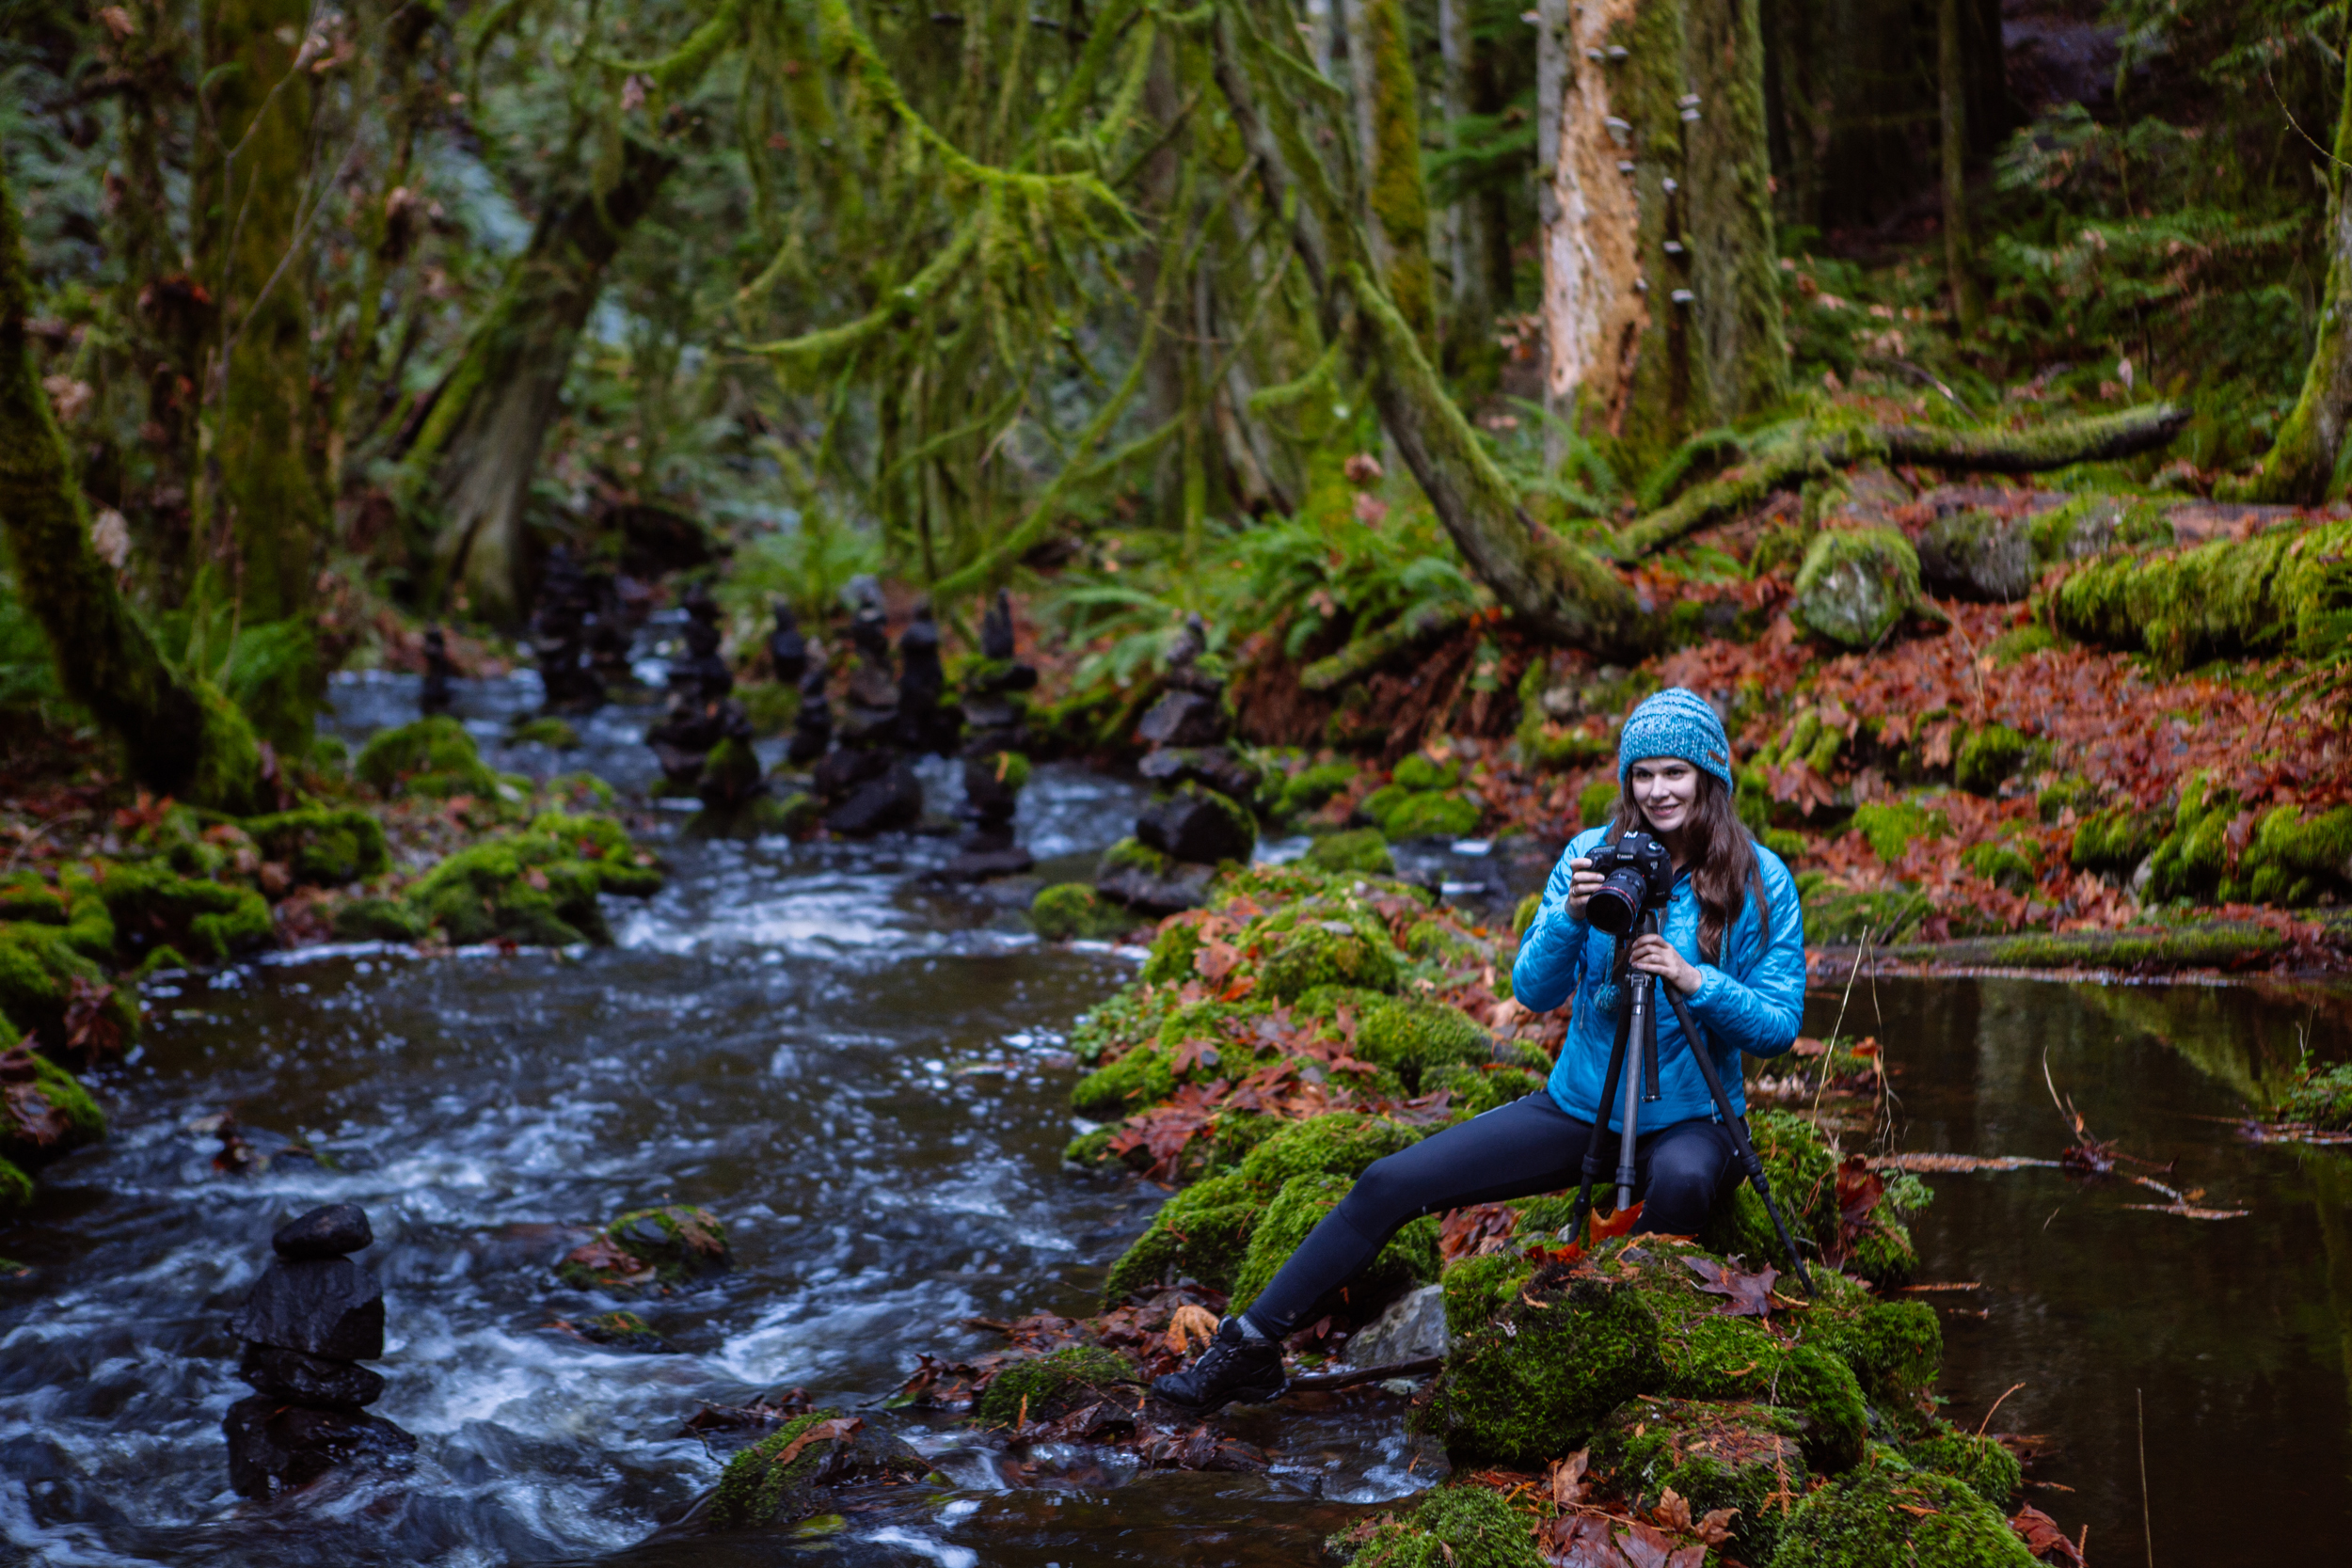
pixel 1369 653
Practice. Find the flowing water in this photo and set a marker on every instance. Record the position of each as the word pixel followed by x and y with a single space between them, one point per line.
pixel 862 1074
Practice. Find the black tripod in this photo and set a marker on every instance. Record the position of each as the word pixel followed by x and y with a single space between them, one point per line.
pixel 1629 1084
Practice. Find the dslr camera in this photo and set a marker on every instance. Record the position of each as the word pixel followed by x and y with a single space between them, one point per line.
pixel 1637 874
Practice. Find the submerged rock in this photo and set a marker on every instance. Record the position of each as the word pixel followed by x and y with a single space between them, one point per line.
pixel 275 1447
pixel 670 1246
pixel 781 1479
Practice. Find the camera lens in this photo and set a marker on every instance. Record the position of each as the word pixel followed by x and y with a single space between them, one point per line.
pixel 1616 904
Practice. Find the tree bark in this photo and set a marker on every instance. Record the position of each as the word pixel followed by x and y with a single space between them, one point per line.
pixel 1471 301
pixel 261 504
pixel 474 455
pixel 1661 294
pixel 1951 86
pixel 2303 465
pixel 1387 127
pixel 179 735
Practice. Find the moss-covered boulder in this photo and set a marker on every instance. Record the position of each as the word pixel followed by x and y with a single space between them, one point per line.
pixel 1138 1078
pixel 376 920
pixel 1891 826
pixel 50 988
pixel 1338 1143
pixel 1053 1386
pixel 1201 1232
pixel 1984 1464
pixel 1071 909
pixel 433 757
pixel 537 885
pixel 1311 787
pixel 1404 812
pixel 1449 1526
pixel 1362 850
pixel 779 1480
pixel 1887 1512
pixel 543 729
pixel 44 1111
pixel 1744 1456
pixel 321 845
pixel 153 906
pixel 1477 1087
pixel 1989 755
pixel 1855 585
pixel 1326 953
pixel 669 1247
pixel 2114 841
pixel 23 895
pixel 1411 1036
pixel 1410 1257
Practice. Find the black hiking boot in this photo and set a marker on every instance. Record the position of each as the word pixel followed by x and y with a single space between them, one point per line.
pixel 1234 1367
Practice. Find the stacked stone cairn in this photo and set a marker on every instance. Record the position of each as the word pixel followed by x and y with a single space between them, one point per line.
pixel 620 604
pixel 312 1318
pixel 1202 816
pixel 703 741
pixel 559 636
pixel 436 696
pixel 927 724
pixel 995 747
pixel 867 784
pixel 788 649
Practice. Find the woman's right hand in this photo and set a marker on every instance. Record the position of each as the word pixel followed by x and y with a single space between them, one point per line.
pixel 1582 885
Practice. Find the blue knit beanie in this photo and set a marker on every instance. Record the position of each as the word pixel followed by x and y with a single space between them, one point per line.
pixel 1675 723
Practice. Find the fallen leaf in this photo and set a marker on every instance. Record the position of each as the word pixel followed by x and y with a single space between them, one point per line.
pixel 1715 1526
pixel 1646 1547
pixel 1673 1511
pixel 2042 1536
pixel 1191 1323
pixel 1751 1294
pixel 1567 1479
pixel 1619 1223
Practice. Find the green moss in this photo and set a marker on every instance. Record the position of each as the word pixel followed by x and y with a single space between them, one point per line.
pixel 376 920
pixel 1524 916
pixel 45 1113
pixel 544 730
pixel 1141 1077
pixel 1890 826
pixel 1802 1171
pixel 1988 757
pixel 212 923
pixel 755 1490
pixel 537 886
pixel 1745 1457
pixel 433 757
pixel 1309 787
pixel 1133 852
pixel 1839 915
pixel 1479 1088
pixel 1597 802
pixel 24 896
pixel 1440 942
pixel 1894 1350
pixel 1338 1143
pixel 323 847
pixel 89 927
pixel 2322 1100
pixel 1558 748
pixel 2191 860
pixel 2114 841
pixel 2013 863
pixel 1326 953
pixel 1419 773
pixel 1410 1037
pixel 1450 1527
pixel 16 1188
pixel 39 970
pixel 1985 1465
pixel 2288 589
pixel 1172 952
pixel 1203 1231
pixel 160 960
pixel 1425 813
pixel 1071 909
pixel 1855 586
pixel 1411 1254
pixel 1363 849
pixel 770 705
pixel 673 1246
pixel 2019 644
pixel 1054 1385
pixel 1886 1512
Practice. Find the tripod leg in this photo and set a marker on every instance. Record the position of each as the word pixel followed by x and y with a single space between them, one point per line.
pixel 1641 1044
pixel 1742 1146
pixel 1592 1148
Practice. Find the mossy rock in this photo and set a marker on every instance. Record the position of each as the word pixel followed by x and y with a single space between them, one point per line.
pixel 16 1188
pixel 1597 803
pixel 1420 773
pixel 211 922
pixel 1338 1143
pixel 1203 1231
pixel 24 896
pixel 1477 1088
pixel 1054 1385
pixel 1855 586
pixel 1887 1512
pixel 1326 953
pixel 1411 1254
pixel 376 920
pixel 1428 814
pixel 544 729
pixel 433 757
pixel 760 1488
pixel 1743 1456
pixel 731 774
pixel 1141 1077
pixel 1524 916
pixel 671 1246
pixel 1411 1036
pixel 770 705
pixel 1838 915
pixel 2295 859
pixel 2013 863
pixel 1071 909
pixel 2191 860
pixel 2322 1100
pixel 624 1331
pixel 1799 1166
pixel 1451 1525
pixel 2114 841
pixel 1890 826
pixel 539 886
pixel 1172 952
pixel 45 1114
pixel 39 968
pixel 1988 757
pixel 1362 850
pixel 321 845
pixel 1311 787
pixel 1985 1465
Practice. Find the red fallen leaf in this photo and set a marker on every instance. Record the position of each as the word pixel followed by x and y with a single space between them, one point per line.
pixel 833 1430
pixel 88 1028
pixel 1646 1547
pixel 1673 1511
pixel 1751 1294
pixel 1192 1054
pixel 1474 1231
pixel 1216 959
pixel 1619 1223
pixel 2042 1536
pixel 36 1120
pixel 1581 1541
pixel 1694 1556
pixel 1714 1526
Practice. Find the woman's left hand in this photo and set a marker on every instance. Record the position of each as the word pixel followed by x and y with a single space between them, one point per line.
pixel 1655 955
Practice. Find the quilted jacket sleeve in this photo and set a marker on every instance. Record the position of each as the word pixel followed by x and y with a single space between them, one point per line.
pixel 1551 955
pixel 1757 1000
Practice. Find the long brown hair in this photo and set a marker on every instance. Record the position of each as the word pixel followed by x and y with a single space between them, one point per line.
pixel 1722 861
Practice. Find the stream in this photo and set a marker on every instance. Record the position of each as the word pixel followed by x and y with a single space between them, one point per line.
pixel 863 1076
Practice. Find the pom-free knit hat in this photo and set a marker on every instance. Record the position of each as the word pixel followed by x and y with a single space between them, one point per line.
pixel 1674 722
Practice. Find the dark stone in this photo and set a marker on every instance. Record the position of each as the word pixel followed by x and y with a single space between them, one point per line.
pixel 435 697
pixel 1978 555
pixel 840 772
pixel 812 728
pixel 990 715
pixel 1190 827
pixel 1181 887
pixel 983 866
pixel 989 798
pixel 922 679
pixel 273 1446
pixel 892 801
pixel 289 1374
pixel 559 635
pixel 328 1306
pixel 1183 718
pixel 328 1232
pixel 1213 766
pixel 996 628
pixel 787 650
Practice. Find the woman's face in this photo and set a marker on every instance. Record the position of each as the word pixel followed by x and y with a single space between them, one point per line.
pixel 1667 790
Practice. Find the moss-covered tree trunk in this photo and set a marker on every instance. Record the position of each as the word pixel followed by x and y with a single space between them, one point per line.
pixel 1387 128
pixel 1470 311
pixel 1951 92
pixel 179 735
pixel 2303 465
pixel 1662 302
pixel 474 455
pixel 261 508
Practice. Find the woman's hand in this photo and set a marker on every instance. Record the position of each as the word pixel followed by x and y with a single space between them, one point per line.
pixel 1582 885
pixel 1655 955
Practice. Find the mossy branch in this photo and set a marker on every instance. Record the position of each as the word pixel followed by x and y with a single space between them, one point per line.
pixel 686 64
pixel 1370 652
pixel 819 349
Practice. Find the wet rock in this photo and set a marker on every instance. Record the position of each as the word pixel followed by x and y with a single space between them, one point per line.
pixel 1411 1328
pixel 323 1307
pixel 788 649
pixel 782 1478
pixel 812 727
pixel 1149 882
pixel 623 1331
pixel 44 1111
pixel 673 1246
pixel 1214 766
pixel 1198 825
pixel 924 723
pixel 289 1374
pixel 1855 586
pixel 1976 555
pixel 275 1447
pixel 894 799
pixel 972 864
pixel 559 630
pixel 436 695
pixel 837 776
pixel 328 1232
pixel 1183 718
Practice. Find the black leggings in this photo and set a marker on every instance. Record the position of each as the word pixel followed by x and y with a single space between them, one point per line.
pixel 1528 1147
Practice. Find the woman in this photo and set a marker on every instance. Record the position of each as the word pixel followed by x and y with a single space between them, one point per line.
pixel 1730 942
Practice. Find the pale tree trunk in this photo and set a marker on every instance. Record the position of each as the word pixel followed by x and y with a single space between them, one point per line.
pixel 2302 466
pixel 1662 300
pixel 1951 83
pixel 1470 306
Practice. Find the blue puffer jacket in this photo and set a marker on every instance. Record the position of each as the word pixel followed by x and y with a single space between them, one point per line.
pixel 1750 1001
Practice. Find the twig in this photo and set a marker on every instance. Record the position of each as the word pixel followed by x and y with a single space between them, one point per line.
pixel 18 853
pixel 1996 1404
pixel 2140 1404
pixel 1315 1382
pixel 1838 1027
